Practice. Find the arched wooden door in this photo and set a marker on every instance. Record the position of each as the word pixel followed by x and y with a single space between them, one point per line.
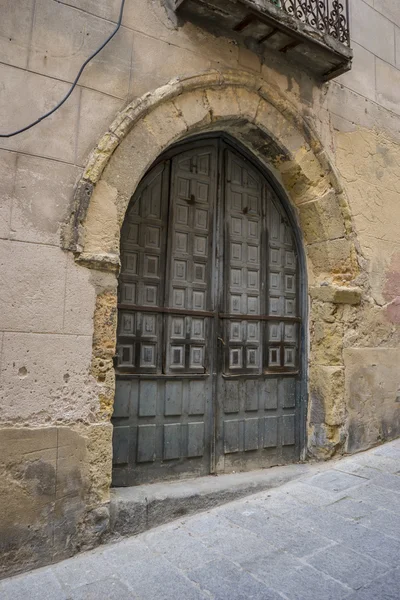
pixel 207 366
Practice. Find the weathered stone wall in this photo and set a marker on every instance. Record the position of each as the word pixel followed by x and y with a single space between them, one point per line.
pixel 58 317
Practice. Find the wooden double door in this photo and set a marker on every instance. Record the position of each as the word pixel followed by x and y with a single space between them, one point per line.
pixel 207 365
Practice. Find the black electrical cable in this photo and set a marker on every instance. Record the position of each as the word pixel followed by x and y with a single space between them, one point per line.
pixel 53 110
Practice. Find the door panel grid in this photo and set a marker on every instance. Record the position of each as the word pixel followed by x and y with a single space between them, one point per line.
pixel 208 325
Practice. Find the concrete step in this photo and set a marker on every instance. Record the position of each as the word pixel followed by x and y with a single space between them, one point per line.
pixel 136 509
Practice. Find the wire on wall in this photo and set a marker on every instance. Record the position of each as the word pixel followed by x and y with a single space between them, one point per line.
pixel 74 84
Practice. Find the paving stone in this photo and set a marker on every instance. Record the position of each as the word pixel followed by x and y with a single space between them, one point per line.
pixel 355 468
pixel 383 498
pixel 374 544
pixel 278 503
pixel 347 566
pixel 322 522
pixel 383 521
pixel 388 481
pixel 382 463
pixel 334 481
pixel 237 543
pixel 39 585
pixel 158 580
pixel 351 509
pixel 388 450
pixel 127 551
pixel 225 581
pixel 294 580
pixel 280 533
pixel 314 497
pixel 181 548
pixel 385 588
pixel 83 570
pixel 104 589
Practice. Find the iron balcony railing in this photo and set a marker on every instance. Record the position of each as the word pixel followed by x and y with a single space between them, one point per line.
pixel 329 17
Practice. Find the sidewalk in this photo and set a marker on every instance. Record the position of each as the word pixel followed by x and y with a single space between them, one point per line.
pixel 332 534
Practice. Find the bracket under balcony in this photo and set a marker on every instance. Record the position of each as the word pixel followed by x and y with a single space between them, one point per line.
pixel 312 33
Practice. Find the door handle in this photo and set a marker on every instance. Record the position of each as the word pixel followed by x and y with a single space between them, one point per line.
pixel 222 341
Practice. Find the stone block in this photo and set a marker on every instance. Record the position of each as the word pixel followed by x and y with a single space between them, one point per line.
pixel 389 8
pixel 165 123
pixel 149 72
pixel 193 108
pixel 8 161
pixel 27 96
pixel 372 391
pixel 248 103
pixel 63 38
pixel 102 231
pixel 131 160
pixel 99 457
pixel 361 78
pixel 15 28
pixel 327 394
pixel 80 298
pixel 372 31
pixel 334 256
pixel 30 442
pixel 327 343
pixel 33 285
pixel 46 376
pixel 71 477
pixel 336 294
pixel 97 112
pixel 223 103
pixel 106 9
pixel 388 85
pixel 279 128
pixel 321 219
pixel 43 194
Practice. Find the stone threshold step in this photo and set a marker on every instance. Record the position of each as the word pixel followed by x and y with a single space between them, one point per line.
pixel 139 508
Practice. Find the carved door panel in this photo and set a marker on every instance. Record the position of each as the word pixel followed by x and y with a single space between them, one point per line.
pixel 257 423
pixel 162 414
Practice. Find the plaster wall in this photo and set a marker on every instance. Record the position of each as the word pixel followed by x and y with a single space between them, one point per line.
pixel 57 318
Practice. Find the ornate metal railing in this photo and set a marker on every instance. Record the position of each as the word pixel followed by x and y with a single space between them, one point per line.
pixel 330 17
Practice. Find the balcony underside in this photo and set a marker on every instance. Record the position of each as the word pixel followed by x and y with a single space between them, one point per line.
pixel 262 26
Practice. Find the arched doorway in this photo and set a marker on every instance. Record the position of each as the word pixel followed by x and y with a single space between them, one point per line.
pixel 208 366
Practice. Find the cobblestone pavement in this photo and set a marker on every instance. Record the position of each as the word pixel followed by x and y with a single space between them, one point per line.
pixel 331 535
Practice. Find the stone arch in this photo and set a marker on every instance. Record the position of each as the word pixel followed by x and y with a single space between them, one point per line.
pixel 266 124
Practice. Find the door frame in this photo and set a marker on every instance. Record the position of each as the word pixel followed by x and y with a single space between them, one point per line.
pixel 221 139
